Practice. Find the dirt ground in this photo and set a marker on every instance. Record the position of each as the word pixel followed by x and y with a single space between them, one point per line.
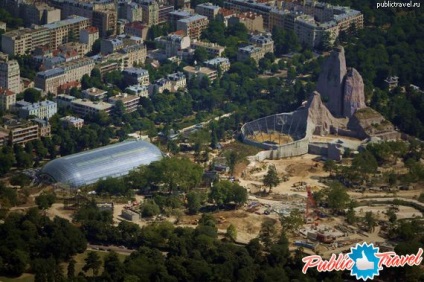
pixel 274 137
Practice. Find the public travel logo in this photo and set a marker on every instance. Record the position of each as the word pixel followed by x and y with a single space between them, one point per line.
pixel 364 261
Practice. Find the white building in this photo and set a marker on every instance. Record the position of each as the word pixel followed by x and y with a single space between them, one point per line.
pixel 9 74
pixel 43 110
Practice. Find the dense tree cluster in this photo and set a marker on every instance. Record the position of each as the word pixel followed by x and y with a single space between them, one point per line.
pixel 28 239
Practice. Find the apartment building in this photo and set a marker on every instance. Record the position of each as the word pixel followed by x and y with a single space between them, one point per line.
pixel 43 110
pixel 18 42
pixel 163 13
pixel 200 72
pixel 84 107
pixel 9 74
pixel 264 41
pixel 138 90
pixel 177 15
pixel 51 80
pixel 224 15
pixel 250 52
pixel 38 13
pixel 130 11
pixel 7 99
pixel 136 29
pixel 159 86
pixel 89 35
pixel 312 33
pixel 178 81
pixel 252 21
pixel 208 10
pixel 193 26
pixel 150 12
pixel 105 21
pixel 94 94
pixel 173 42
pixel 212 48
pixel 112 45
pixel 218 63
pixel 71 121
pixel 130 102
pixel 21 132
pixel 241 6
pixel 134 76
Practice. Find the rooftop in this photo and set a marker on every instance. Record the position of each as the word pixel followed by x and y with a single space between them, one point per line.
pixel 100 106
pixel 71 20
pixel 193 19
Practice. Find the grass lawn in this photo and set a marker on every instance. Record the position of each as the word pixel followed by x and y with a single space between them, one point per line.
pixel 79 258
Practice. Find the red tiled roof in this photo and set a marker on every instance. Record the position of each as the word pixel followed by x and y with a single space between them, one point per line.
pixel 5 91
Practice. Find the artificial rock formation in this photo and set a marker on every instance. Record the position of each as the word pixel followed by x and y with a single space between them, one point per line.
pixel 330 81
pixel 321 117
pixel 353 94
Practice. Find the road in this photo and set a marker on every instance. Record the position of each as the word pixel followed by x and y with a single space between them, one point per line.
pixel 192 127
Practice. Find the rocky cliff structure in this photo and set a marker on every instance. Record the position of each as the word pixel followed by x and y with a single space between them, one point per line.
pixel 320 118
pixel 353 93
pixel 342 88
pixel 330 81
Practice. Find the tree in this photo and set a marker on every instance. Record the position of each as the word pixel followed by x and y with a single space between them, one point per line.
pixel 271 178
pixel 31 95
pixel 71 269
pixel 149 209
pixel 267 232
pixel 193 202
pixel 113 268
pixel 232 232
pixel 330 166
pixel 293 221
pixel 351 215
pixel 370 221
pixel 92 261
pixel 45 200
pixel 337 197
pixel 232 159
pixel 200 55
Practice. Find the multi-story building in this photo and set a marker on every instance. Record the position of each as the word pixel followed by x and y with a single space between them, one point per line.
pixel 9 74
pixel 264 41
pixel 212 48
pixel 159 86
pixel 173 43
pixel 64 101
pixel 163 13
pixel 130 102
pixel 223 64
pixel 150 12
pixel 71 121
pixel 224 15
pixel 136 29
pixel 51 80
pixel 130 11
pixel 112 45
pixel 178 81
pixel 193 26
pixel 200 72
pixel 252 21
pixel 208 10
pixel 250 52
pixel 105 21
pixel 177 15
pixel 7 98
pixel 43 110
pixel 39 13
pixel 250 6
pixel 21 132
pixel 311 33
pixel 3 26
pixel 89 35
pixel 134 76
pixel 84 107
pixel 94 94
pixel 18 42
pixel 138 90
